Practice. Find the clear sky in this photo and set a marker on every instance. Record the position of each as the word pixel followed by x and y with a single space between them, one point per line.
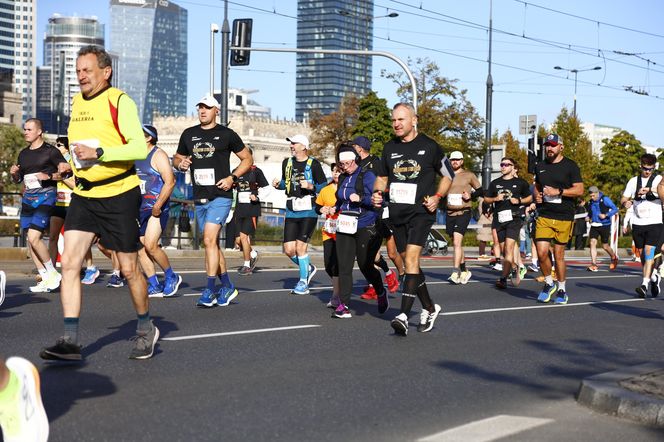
pixel 529 40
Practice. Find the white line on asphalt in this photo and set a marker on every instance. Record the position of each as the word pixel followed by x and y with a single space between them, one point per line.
pixel 241 332
pixel 530 307
pixel 486 430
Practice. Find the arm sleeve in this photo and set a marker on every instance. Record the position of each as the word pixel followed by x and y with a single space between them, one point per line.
pixel 132 131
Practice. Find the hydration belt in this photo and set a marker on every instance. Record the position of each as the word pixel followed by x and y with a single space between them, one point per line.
pixel 84 184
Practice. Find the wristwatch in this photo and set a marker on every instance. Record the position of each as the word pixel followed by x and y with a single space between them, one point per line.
pixel 235 178
pixel 100 152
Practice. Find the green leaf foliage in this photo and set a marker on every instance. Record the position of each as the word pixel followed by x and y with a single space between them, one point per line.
pixel 577 145
pixel 11 143
pixel 374 121
pixel 620 162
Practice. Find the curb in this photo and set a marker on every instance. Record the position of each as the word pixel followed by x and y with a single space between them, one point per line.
pixel 604 394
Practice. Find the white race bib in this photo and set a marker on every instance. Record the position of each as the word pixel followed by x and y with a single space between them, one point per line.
pixel 244 197
pixel 142 187
pixel 63 196
pixel 403 193
pixel 643 209
pixel 454 199
pixel 386 212
pixel 330 225
pixel 504 216
pixel 302 204
pixel 347 224
pixel 557 199
pixel 31 182
pixel 204 177
pixel 82 164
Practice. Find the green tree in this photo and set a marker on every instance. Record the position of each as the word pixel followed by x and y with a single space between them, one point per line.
pixel 444 112
pixel 374 121
pixel 620 162
pixel 514 150
pixel 577 145
pixel 11 143
pixel 328 131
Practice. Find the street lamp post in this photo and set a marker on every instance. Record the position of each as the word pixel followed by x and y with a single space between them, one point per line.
pixel 576 73
pixel 214 28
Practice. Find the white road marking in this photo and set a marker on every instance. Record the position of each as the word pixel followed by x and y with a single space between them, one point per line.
pixel 490 429
pixel 241 332
pixel 530 307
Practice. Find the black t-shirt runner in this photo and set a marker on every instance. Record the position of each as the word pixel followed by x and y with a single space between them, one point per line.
pixel 411 169
pixel 45 159
pixel 560 175
pixel 210 151
pixel 512 188
pixel 248 184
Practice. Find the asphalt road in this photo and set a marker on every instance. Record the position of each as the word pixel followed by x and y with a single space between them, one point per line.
pixel 276 367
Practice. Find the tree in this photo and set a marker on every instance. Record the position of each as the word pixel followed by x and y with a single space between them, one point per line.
pixel 577 145
pixel 514 150
pixel 328 131
pixel 620 162
pixel 374 122
pixel 444 112
pixel 11 143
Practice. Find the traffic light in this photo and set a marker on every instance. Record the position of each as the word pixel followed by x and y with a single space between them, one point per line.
pixel 241 38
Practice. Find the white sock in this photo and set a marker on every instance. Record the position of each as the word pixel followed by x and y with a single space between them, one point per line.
pixel 116 272
pixel 42 273
pixel 645 281
pixel 253 253
pixel 49 266
pixel 91 268
pixel 561 285
pixel 246 263
pixel 548 280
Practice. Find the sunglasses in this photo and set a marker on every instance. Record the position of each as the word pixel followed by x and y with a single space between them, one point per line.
pixel 647 169
pixel 506 164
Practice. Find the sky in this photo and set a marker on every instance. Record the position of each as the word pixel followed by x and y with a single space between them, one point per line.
pixel 529 39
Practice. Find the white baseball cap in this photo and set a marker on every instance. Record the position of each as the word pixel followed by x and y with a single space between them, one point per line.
pixel 301 139
pixel 209 101
pixel 456 155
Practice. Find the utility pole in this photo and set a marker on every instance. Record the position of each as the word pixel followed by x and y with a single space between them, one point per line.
pixel 486 163
pixel 225 44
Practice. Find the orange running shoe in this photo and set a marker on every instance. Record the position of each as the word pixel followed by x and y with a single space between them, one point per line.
pixel 370 293
pixel 392 282
pixel 614 263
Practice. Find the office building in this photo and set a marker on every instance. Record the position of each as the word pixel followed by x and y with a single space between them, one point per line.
pixel 322 80
pixel 598 132
pixel 150 40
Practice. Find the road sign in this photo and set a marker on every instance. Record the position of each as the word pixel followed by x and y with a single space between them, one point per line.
pixel 526 123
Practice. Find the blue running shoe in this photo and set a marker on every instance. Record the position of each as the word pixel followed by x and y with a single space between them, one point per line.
pixel 172 285
pixel 301 288
pixel 91 275
pixel 155 291
pixel 561 298
pixel 312 271
pixel 547 292
pixel 208 299
pixel 225 295
pixel 115 281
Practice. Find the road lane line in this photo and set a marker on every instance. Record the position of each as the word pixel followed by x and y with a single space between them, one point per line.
pixel 241 332
pixel 487 430
pixel 530 307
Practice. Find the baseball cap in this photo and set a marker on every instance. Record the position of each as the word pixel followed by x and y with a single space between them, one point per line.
pixel 593 189
pixel 152 131
pixel 363 142
pixel 301 139
pixel 456 155
pixel 553 140
pixel 209 101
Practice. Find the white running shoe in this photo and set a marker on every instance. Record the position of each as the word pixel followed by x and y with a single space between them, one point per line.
pixel 40 287
pixel 53 281
pixel 464 277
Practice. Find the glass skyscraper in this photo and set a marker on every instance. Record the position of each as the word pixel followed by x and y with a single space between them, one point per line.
pixel 322 80
pixel 150 39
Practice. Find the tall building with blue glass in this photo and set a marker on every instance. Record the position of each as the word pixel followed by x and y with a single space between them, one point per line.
pixel 322 80
pixel 150 39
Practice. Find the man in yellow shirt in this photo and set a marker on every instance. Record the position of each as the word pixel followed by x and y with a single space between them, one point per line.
pixel 106 137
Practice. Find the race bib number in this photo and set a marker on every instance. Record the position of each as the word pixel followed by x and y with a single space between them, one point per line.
pixel 403 193
pixel 244 197
pixel 142 187
pixel 31 182
pixel 643 210
pixel 386 212
pixel 454 199
pixel 347 224
pixel 83 164
pixel 557 199
pixel 302 204
pixel 504 216
pixel 204 177
pixel 330 225
pixel 63 196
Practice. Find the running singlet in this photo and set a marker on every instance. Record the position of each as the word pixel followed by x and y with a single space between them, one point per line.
pixel 151 182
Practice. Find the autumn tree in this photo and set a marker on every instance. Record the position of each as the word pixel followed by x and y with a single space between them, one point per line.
pixel 328 131
pixel 577 145
pixel 620 162
pixel 444 112
pixel 374 121
pixel 513 150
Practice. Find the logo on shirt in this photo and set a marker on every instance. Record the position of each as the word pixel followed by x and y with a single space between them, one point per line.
pixel 420 152
pixel 203 150
pixel 396 155
pixel 195 138
pixel 406 169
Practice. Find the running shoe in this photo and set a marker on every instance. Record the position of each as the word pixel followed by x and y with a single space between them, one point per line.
pixel 593 268
pixel 561 298
pixel 454 278
pixel 654 284
pixel 370 293
pixel 208 299
pixel 522 272
pixel 301 288
pixel 464 277
pixel 144 343
pixel 400 324
pixel 171 286
pixel 428 318
pixel 383 303
pixel 515 278
pixel 22 417
pixel 225 295
pixel 40 287
pixel 312 271
pixel 244 271
pixel 334 302
pixel 641 291
pixel 91 275
pixel 533 268
pixel 547 292
pixel 342 312
pixel 392 282
pixel 501 284
pixel 3 284
pixel 53 280
pixel 614 263
pixel 63 350
pixel 115 281
pixel 155 291
pixel 253 261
